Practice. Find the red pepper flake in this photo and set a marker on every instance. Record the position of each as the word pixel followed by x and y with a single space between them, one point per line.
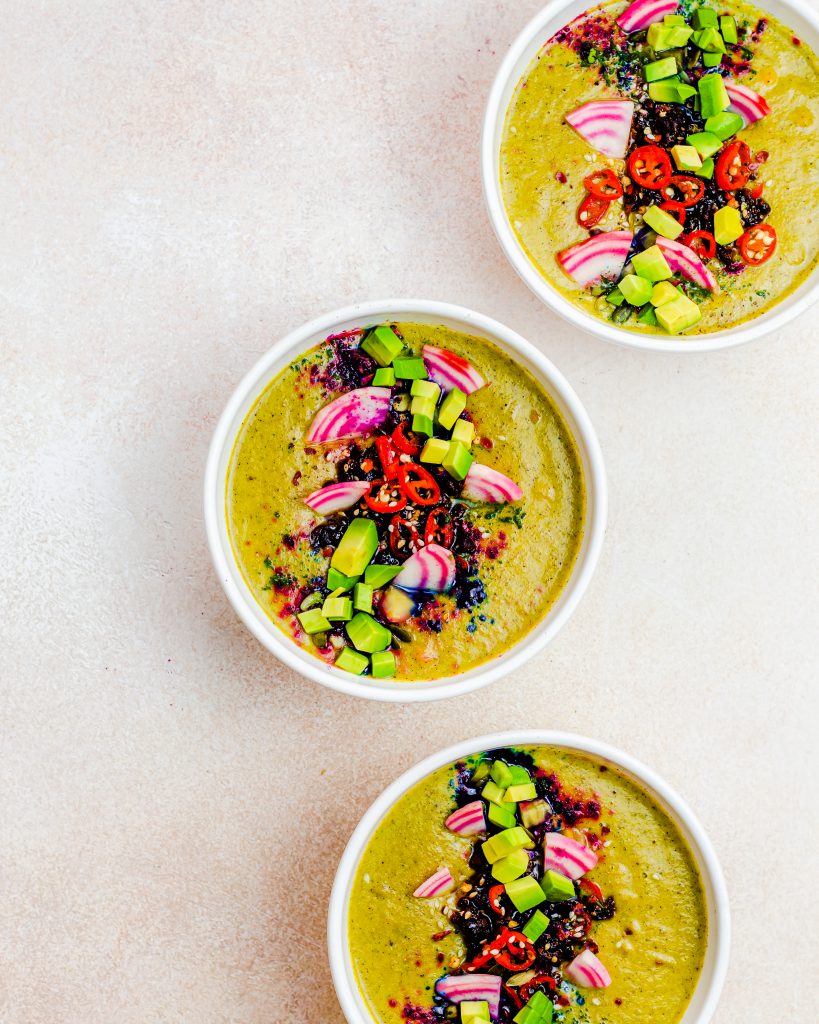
pixel 487 443
pixel 796 41
pixel 441 935
pixel 296 478
pixel 561 177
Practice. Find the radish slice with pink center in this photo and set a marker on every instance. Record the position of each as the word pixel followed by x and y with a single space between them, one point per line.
pixel 355 414
pixel 459 988
pixel 336 497
pixel 587 971
pixel 748 104
pixel 605 125
pixel 451 371
pixel 685 261
pixel 441 881
pixel 467 820
pixel 432 568
pixel 598 257
pixel 643 13
pixel 567 856
pixel 482 483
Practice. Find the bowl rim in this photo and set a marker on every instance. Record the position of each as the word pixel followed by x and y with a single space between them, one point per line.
pixel 494 117
pixel 349 996
pixel 245 605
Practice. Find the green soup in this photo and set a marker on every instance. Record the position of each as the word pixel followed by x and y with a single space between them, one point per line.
pixel 653 943
pixel 543 162
pixel 521 554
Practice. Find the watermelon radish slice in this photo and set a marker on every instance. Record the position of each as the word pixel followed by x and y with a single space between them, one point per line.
pixel 587 971
pixel 598 257
pixel 441 881
pixel 336 497
pixel 685 261
pixel 643 13
pixel 459 988
pixel 567 856
pixel 451 371
pixel 431 568
pixel 605 125
pixel 748 104
pixel 467 820
pixel 482 483
pixel 355 414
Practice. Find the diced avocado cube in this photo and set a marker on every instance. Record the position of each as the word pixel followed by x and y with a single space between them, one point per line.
pixel 434 451
pixel 710 40
pixel 651 264
pixel 662 293
pixel 377 576
pixel 557 887
pixel 664 224
pixel 351 661
pixel 728 27
pixel 679 35
pixel 363 598
pixel 665 92
pixel 382 664
pixel 422 424
pixel 540 1003
pixel 425 389
pixel 520 775
pixel 707 169
pixel 512 866
pixel 724 125
pixel 384 377
pixel 658 36
pixel 383 344
pixel 673 19
pixel 503 843
pixel 338 609
pixel 704 17
pixel 685 91
pixel 534 812
pixel 503 817
pixel 525 1016
pixel 409 368
pixel 686 158
pixel 535 926
pixel 423 406
pixel 659 69
pixel 714 98
pixel 368 635
pixel 356 548
pixel 481 771
pixel 313 621
pixel 463 432
pixel 338 581
pixel 705 143
pixel 678 315
pixel 525 893
pixel 712 60
pixel 493 792
pixel 648 317
pixel 616 297
pixel 451 408
pixel 475 1008
pixel 523 791
pixel 457 460
pixel 728 225
pixel 501 774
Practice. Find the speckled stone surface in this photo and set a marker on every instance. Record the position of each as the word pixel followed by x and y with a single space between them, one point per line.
pixel 182 183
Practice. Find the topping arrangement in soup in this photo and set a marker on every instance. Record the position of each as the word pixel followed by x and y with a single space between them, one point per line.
pixel 527 885
pixel 677 146
pixel 405 501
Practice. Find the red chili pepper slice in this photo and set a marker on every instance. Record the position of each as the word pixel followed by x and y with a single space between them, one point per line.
pixel 409 446
pixel 404 536
pixel 733 166
pixel 385 497
pixel 757 190
pixel 388 457
pixel 650 167
pixel 495 891
pixel 604 184
pixel 439 530
pixel 480 961
pixel 592 888
pixel 591 211
pixel 677 210
pixel 513 996
pixel 690 188
pixel 702 243
pixel 418 484
pixel 758 244
pixel 539 979
pixel 517 952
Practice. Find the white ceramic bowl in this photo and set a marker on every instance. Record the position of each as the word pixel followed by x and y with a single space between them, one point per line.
pixel 798 15
pixel 268 367
pixel 704 1001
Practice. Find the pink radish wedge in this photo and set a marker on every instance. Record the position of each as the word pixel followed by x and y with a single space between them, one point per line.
pixel 485 484
pixel 459 988
pixel 685 261
pixel 467 820
pixel 643 13
pixel 748 104
pixel 432 568
pixel 355 414
pixel 451 371
pixel 602 256
pixel 441 881
pixel 587 971
pixel 335 497
pixel 605 125
pixel 567 856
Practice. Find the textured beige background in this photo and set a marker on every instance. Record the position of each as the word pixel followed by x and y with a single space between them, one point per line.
pixel 181 184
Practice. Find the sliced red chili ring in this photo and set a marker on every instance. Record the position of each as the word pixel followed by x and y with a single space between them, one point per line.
pixel 385 496
pixel 495 891
pixel 388 457
pixel 538 980
pixel 604 184
pixel 690 188
pixel 517 952
pixel 592 888
pixel 404 537
pixel 757 190
pixel 418 484
pixel 592 210
pixel 758 244
pixel 650 167
pixel 733 168
pixel 440 530
pixel 702 243
pixel 407 445
pixel 513 996
pixel 677 210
